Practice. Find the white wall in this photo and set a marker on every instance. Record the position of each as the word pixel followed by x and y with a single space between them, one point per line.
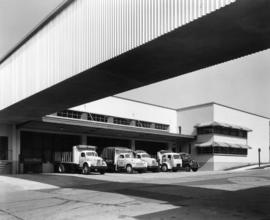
pixel 258 137
pixel 118 107
pixel 187 118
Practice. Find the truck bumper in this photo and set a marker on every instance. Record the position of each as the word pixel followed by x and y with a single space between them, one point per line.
pixel 98 168
pixel 140 169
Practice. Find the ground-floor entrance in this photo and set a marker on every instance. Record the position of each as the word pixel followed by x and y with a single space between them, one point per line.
pixel 37 149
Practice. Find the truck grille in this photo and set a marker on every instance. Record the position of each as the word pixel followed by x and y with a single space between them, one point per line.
pixel 139 164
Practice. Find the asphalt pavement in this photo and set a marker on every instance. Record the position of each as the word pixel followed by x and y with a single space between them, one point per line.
pixel 201 195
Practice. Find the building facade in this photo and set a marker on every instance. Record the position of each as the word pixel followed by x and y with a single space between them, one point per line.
pixel 218 137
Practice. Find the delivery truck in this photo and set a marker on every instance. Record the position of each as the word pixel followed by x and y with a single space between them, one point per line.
pixel 82 158
pixel 152 163
pixel 122 159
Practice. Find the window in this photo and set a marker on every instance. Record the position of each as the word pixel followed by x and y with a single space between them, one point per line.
pixel 221 130
pixel 82 154
pixel 3 148
pixel 176 156
pixel 170 157
pixel 97 117
pixel 121 121
pixel 143 124
pixel 163 127
pixel 221 150
pixel 70 114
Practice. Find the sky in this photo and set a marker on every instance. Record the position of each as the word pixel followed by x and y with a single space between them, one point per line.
pixel 18 17
pixel 242 83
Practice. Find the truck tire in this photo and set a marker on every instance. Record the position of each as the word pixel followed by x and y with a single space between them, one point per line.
pixel 194 169
pixel 60 168
pixel 164 168
pixel 102 172
pixel 129 169
pixel 85 169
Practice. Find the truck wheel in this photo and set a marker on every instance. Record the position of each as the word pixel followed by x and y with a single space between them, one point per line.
pixel 129 169
pixel 102 171
pixel 85 169
pixel 164 168
pixel 60 168
pixel 194 169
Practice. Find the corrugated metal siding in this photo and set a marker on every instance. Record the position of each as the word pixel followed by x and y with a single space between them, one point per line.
pixel 87 33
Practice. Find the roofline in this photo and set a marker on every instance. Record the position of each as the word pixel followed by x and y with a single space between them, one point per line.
pixel 146 103
pixel 226 106
pixel 37 28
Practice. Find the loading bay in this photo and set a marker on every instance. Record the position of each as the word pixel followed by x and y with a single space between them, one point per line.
pixel 201 195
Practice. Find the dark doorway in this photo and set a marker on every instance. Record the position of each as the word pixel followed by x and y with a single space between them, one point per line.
pixel 38 148
pixel 151 147
pixel 101 143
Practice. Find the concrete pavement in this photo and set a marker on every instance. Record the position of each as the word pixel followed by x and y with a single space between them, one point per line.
pixel 201 195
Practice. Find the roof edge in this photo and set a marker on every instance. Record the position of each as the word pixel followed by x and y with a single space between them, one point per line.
pixel 36 29
pixel 226 106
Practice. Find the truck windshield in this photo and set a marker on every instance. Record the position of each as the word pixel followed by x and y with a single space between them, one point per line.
pixel 176 156
pixel 145 155
pixel 91 154
pixel 128 155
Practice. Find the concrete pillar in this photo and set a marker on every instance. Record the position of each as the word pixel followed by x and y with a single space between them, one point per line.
pixel 84 139
pixel 132 144
pixel 170 146
pixel 15 144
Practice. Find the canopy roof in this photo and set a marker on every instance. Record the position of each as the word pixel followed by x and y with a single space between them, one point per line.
pixel 221 124
pixel 222 144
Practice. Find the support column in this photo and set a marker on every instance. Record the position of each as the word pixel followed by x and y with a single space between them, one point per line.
pixel 15 148
pixel 84 139
pixel 132 144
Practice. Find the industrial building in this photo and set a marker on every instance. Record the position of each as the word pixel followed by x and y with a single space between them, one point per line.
pixel 218 137
pixel 88 50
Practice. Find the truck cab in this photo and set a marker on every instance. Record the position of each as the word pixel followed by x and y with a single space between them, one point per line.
pixel 188 163
pixel 90 161
pixel 122 159
pixel 152 163
pixel 169 161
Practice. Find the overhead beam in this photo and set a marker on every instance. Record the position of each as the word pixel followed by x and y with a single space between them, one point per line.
pixel 237 30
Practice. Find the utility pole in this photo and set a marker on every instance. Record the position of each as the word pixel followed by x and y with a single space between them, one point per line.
pixel 259 155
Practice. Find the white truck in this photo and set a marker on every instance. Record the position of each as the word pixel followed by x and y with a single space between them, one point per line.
pixel 169 160
pixel 152 163
pixel 82 159
pixel 122 159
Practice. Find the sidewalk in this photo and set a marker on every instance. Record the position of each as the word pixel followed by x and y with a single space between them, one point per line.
pixel 251 167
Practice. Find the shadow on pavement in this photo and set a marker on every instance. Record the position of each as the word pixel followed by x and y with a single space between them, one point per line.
pixel 193 202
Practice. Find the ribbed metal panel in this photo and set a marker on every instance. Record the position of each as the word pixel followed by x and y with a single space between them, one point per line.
pixel 90 32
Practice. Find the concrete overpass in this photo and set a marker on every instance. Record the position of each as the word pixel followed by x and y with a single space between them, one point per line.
pixel 92 49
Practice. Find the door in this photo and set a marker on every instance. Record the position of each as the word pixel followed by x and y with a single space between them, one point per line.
pixel 82 159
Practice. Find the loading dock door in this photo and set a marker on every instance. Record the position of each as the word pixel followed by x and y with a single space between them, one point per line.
pixel 151 147
pixel 38 148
